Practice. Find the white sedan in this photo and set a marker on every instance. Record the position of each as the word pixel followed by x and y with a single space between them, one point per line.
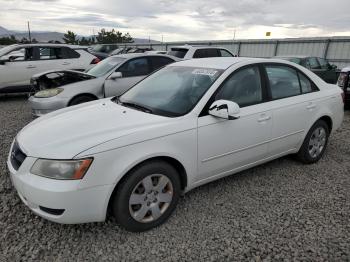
pixel 189 123
pixel 19 62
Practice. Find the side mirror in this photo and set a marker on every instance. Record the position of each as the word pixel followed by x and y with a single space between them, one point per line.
pixel 115 76
pixel 225 109
pixel 334 67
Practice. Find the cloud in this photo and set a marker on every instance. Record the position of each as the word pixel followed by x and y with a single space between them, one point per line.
pixel 88 20
pixel 185 19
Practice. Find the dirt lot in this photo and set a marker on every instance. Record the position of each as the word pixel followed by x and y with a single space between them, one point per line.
pixel 280 210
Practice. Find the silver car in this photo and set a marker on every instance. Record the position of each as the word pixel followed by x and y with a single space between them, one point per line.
pixel 111 77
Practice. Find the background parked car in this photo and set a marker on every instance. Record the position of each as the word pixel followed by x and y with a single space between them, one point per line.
pixel 18 63
pixel 112 76
pixel 319 66
pixel 102 50
pixel 344 83
pixel 189 52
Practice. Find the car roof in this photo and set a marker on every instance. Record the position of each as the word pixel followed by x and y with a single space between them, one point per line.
pixel 49 44
pixel 131 55
pixel 219 62
pixel 292 56
pixel 197 47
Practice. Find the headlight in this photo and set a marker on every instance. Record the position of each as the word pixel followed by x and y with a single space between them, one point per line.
pixel 61 169
pixel 48 92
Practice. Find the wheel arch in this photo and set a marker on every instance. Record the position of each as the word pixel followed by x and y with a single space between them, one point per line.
pixel 328 121
pixel 82 94
pixel 168 159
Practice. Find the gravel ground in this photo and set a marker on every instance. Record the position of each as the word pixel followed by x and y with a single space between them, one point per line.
pixel 282 210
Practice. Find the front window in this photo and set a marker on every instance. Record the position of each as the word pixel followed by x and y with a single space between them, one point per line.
pixel 105 66
pixel 172 91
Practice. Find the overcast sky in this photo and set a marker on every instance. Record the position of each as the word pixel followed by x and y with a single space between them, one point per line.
pixel 180 20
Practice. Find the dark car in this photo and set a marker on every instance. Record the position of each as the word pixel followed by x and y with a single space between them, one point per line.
pixel 319 66
pixel 102 51
pixel 344 83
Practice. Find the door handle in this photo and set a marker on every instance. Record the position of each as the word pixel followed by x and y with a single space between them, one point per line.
pixel 31 66
pixel 65 63
pixel 264 119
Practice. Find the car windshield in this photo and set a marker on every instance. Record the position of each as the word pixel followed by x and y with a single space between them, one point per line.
pixel 7 49
pixel 172 91
pixel 105 66
pixel 178 52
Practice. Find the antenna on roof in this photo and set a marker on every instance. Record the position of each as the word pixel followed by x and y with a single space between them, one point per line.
pixel 30 38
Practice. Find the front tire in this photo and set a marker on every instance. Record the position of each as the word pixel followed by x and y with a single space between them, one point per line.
pixel 315 143
pixel 147 196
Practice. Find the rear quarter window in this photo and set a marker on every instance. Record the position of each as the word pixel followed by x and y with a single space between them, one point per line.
pixel 178 52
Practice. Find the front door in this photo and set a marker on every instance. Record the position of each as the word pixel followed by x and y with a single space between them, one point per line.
pixel 227 145
pixel 132 71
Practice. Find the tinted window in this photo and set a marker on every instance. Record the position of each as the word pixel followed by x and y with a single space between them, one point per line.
pixel 283 81
pixel 225 53
pixel 202 53
pixel 178 52
pixel 69 53
pixel 159 62
pixel 243 87
pixel 306 85
pixel 50 53
pixel 135 67
pixel 313 63
pixel 323 63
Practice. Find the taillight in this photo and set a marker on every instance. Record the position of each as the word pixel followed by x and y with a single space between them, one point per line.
pixel 342 79
pixel 95 61
pixel 343 96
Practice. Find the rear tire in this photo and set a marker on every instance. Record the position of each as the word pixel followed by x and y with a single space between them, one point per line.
pixel 81 99
pixel 147 196
pixel 315 143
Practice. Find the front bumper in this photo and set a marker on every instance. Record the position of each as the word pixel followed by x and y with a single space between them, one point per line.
pixel 42 106
pixel 61 201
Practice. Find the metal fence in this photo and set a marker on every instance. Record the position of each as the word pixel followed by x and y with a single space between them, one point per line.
pixel 335 49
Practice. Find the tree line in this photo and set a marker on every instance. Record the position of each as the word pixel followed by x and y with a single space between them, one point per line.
pixel 102 37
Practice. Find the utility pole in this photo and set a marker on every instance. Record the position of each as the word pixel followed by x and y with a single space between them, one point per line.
pixel 30 38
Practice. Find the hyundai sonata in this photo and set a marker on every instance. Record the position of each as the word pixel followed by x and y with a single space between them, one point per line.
pixel 187 124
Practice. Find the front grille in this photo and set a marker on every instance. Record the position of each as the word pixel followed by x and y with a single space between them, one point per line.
pixel 17 156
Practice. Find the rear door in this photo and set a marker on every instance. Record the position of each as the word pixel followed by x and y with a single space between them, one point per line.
pixel 293 104
pixel 132 71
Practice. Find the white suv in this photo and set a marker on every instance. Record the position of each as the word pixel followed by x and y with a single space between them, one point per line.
pixel 18 63
pixel 188 52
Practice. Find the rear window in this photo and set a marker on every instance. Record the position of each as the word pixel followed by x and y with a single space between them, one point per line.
pixel 178 52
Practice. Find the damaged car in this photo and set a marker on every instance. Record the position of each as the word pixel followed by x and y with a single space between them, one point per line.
pixel 111 77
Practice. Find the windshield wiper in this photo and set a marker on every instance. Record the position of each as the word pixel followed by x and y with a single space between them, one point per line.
pixel 135 106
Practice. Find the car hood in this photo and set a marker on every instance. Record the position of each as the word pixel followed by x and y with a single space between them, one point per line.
pixel 65 133
pixel 36 76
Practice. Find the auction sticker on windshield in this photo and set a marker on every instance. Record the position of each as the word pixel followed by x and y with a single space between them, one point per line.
pixel 204 71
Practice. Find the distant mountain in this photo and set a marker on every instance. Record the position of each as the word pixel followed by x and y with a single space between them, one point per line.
pixel 45 36
pixel 4 31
